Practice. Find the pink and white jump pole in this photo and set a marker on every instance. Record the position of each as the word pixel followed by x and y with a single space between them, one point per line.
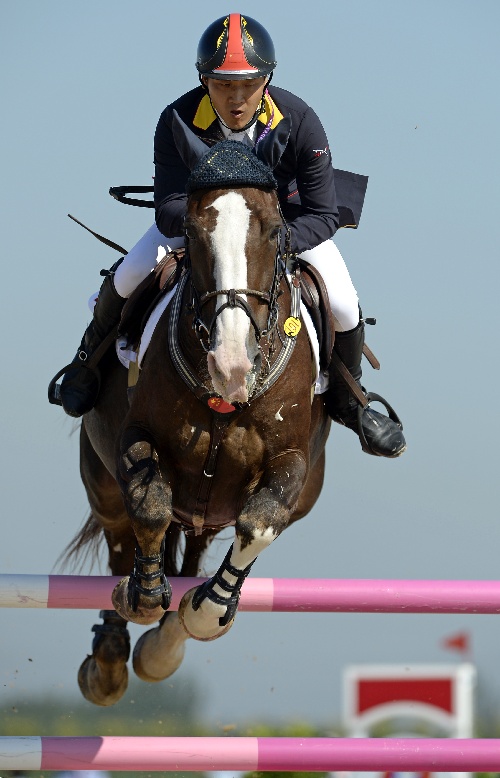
pixel 250 753
pixel 320 595
pixel 247 754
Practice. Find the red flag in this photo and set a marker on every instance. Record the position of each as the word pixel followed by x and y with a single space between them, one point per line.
pixel 458 642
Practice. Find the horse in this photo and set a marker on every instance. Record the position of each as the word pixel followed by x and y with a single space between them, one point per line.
pixel 222 427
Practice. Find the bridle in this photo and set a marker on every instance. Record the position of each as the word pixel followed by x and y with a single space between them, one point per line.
pixel 284 264
pixel 235 298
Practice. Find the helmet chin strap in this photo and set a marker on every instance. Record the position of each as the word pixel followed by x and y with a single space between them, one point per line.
pixel 261 109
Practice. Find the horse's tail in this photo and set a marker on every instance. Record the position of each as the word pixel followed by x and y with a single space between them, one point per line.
pixel 85 545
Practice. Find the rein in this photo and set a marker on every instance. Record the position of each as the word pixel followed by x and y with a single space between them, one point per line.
pixel 235 299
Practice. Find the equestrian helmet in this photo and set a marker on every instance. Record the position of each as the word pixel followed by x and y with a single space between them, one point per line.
pixel 235 47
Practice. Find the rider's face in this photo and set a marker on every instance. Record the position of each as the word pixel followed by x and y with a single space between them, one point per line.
pixel 235 101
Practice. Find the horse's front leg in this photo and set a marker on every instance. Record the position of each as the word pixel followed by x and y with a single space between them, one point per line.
pixel 159 652
pixel 145 595
pixel 208 611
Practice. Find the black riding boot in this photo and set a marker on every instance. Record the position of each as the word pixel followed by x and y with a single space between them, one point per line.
pixel 379 435
pixel 80 386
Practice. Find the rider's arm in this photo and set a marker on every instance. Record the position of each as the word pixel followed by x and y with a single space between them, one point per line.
pixel 318 217
pixel 171 175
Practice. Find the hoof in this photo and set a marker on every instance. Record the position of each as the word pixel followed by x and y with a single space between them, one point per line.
pixel 100 686
pixel 148 611
pixel 202 624
pixel 160 651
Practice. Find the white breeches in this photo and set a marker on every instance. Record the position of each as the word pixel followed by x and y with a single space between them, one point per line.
pixel 326 257
pixel 141 259
pixel 342 295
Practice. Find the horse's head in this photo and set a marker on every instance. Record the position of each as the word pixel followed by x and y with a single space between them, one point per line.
pixel 232 235
pixel 232 227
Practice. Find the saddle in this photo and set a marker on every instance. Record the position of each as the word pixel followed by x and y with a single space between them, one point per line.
pixel 146 296
pixel 315 298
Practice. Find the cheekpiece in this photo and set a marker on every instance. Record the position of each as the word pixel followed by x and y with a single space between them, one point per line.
pixel 230 163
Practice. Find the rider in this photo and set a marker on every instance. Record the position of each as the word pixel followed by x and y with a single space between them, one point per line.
pixel 235 63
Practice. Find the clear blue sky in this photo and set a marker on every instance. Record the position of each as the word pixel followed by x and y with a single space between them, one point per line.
pixel 408 94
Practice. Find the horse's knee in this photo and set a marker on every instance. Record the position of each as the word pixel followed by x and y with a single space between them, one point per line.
pixel 147 496
pixel 279 487
pixel 267 511
pixel 260 524
pixel 264 517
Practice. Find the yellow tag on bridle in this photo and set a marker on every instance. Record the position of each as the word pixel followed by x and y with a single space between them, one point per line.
pixel 292 326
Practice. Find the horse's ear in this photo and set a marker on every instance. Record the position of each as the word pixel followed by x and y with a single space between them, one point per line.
pixel 189 146
pixel 271 148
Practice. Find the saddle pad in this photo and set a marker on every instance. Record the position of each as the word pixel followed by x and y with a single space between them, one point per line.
pixel 126 355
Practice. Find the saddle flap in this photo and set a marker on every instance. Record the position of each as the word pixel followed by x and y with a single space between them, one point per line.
pixel 144 298
pixel 315 298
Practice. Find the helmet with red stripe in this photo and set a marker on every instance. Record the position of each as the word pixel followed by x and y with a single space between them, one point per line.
pixel 235 47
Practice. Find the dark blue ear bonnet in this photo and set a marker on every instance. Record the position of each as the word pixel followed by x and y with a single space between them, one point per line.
pixel 230 163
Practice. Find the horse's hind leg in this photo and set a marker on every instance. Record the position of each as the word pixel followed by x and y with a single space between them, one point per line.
pixel 208 611
pixel 103 676
pixel 159 652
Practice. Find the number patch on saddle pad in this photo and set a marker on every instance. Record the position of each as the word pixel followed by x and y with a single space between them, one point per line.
pixel 292 327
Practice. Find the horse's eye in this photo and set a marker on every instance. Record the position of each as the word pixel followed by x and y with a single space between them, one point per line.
pixel 274 233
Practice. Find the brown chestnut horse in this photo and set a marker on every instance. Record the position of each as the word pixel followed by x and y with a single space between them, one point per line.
pixel 222 428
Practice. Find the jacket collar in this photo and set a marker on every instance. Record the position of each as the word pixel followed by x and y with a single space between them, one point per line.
pixel 205 115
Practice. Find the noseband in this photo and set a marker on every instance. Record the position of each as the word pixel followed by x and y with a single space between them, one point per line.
pixel 235 298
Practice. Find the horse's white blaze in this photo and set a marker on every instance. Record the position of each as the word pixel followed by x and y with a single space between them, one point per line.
pixel 232 356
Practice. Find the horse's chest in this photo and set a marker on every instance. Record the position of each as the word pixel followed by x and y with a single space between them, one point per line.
pixel 232 472
pixel 237 447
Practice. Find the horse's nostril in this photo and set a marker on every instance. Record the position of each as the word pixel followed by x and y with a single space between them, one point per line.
pixel 229 372
pixel 217 368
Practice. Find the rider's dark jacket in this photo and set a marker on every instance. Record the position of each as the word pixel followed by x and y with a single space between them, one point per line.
pixel 315 199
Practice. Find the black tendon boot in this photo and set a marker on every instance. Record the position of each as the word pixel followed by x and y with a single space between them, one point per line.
pixel 379 435
pixel 80 386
